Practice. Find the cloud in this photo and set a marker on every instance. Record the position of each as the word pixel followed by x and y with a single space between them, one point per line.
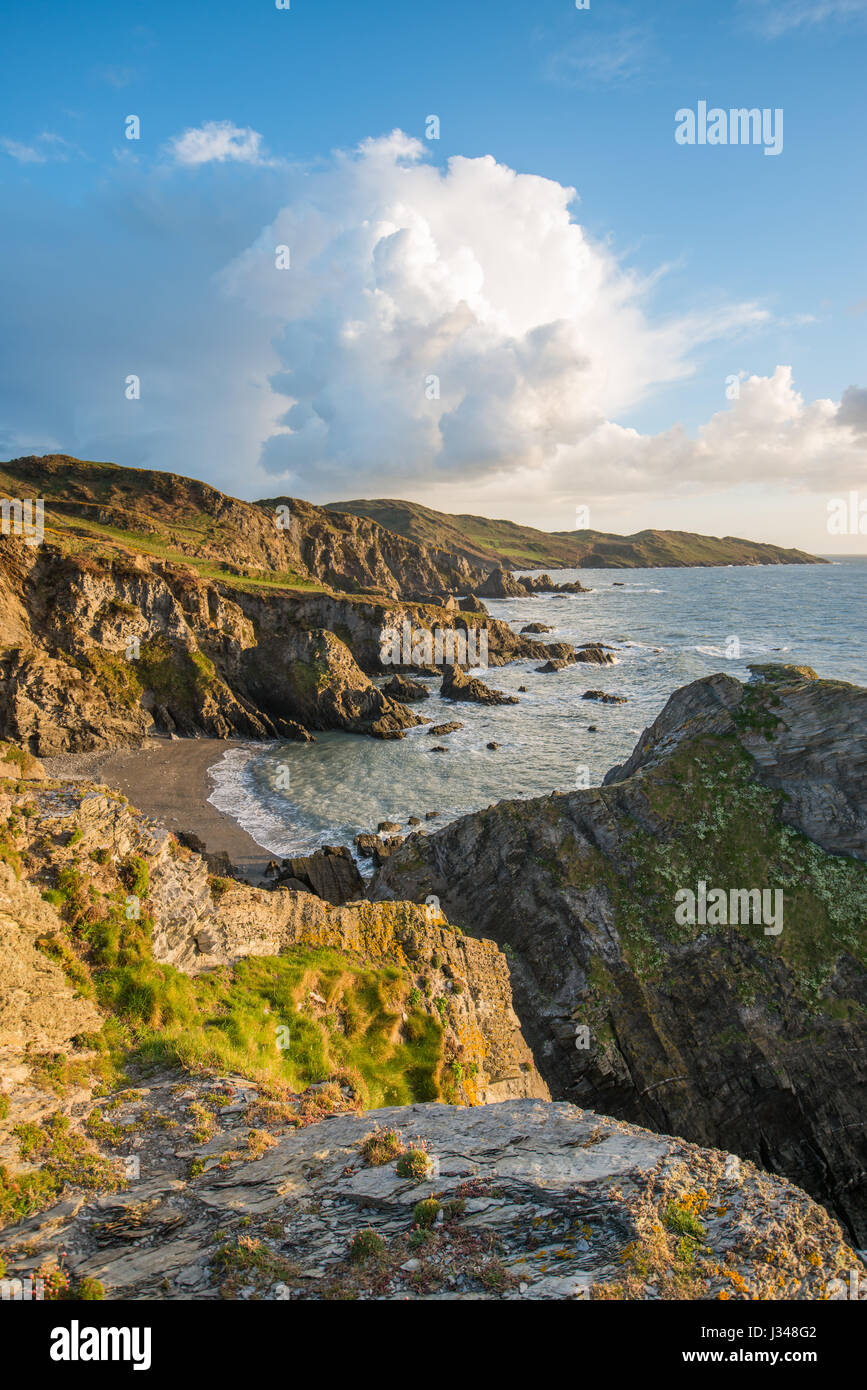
pixel 772 18
pixel 448 333
pixel 598 58
pixel 115 76
pixel 453 323
pixel 768 435
pixel 853 409
pixel 45 148
pixel 217 142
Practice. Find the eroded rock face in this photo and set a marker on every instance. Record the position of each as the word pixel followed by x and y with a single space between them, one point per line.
pixel 726 1034
pixel 535 1200
pixel 114 649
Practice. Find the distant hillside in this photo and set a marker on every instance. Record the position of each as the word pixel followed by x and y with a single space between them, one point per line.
pixel 482 542
pixel 100 507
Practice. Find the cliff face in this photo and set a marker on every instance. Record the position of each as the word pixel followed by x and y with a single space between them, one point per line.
pixel 209 1168
pixel 100 651
pixel 748 1035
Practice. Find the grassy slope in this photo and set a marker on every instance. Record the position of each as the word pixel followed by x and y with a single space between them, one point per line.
pixel 161 515
pixel 484 541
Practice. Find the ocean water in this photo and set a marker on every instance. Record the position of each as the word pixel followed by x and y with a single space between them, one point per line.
pixel 669 626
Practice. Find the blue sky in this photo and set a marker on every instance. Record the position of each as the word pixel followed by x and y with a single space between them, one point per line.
pixel 120 254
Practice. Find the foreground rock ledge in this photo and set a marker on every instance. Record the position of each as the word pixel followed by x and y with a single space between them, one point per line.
pixel 553 1202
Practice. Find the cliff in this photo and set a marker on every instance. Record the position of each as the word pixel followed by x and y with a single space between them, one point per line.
pixel 745 1035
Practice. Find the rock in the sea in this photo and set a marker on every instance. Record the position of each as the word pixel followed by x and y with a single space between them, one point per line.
pixel 536 627
pixel 384 846
pixel 556 665
pixel 457 685
pixel 604 697
pixel 493 747
pixel 331 873
pixel 406 690
pixel 501 583
pixel 386 826
pixel 450 728
pixel 595 653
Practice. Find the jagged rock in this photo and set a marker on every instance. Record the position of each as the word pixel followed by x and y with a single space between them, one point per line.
pixel 457 685
pixel 388 825
pixel 401 688
pixel 730 1034
pixel 383 847
pixel 445 728
pixel 604 698
pixel 471 604
pixel 596 654
pixel 501 583
pixel 551 666
pixel 560 1203
pixel 536 627
pixel 330 873
pixel 365 844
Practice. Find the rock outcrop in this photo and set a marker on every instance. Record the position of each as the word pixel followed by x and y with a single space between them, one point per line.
pixel 501 583
pixel 519 1200
pixel 745 1029
pixel 330 873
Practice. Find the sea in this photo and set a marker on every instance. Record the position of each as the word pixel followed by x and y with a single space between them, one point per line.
pixel 667 627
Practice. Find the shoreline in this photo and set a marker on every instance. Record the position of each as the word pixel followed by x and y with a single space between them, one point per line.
pixel 168 780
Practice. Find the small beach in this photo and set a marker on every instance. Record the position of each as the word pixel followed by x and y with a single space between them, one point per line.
pixel 168 779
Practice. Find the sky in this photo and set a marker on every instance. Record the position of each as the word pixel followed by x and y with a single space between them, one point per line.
pixel 475 255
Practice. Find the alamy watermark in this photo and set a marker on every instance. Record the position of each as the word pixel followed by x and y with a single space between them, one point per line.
pixel 847 516
pixel 718 907
pixel 18 518
pixel 737 126
pixel 440 647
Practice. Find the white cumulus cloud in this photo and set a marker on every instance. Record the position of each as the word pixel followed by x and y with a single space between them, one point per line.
pixel 217 142
pixel 452 323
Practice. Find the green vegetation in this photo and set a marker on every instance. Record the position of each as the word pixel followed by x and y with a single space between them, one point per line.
pixel 255 1018
pixel 414 1163
pixel 366 1245
pixel 65 1159
pixel 679 1218
pixel 721 826
pixel 426 1212
pixel 382 1146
